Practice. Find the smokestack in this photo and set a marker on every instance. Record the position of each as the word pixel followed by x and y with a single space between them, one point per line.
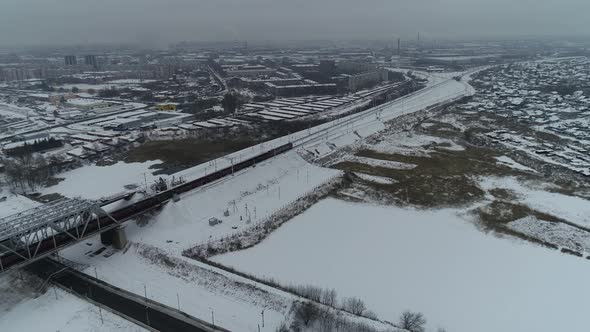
pixel 399 47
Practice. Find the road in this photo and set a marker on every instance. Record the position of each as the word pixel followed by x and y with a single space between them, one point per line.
pixel 144 311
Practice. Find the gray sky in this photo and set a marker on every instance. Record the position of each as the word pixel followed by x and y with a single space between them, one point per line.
pixel 43 22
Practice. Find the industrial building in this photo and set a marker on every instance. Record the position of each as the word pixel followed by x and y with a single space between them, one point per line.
pixel 171 107
pixel 90 60
pixel 70 60
pixel 297 90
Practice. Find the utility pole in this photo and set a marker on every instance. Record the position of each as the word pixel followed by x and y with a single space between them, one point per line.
pixel 100 314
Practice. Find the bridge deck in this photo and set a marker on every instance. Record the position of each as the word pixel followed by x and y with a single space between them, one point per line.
pixel 41 216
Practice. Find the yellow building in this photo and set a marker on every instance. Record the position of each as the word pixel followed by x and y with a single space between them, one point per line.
pixel 171 107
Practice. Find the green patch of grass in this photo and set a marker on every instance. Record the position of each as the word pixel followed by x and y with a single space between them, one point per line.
pixel 184 153
pixel 503 194
pixel 444 178
pixel 421 189
pixel 471 161
pixel 442 129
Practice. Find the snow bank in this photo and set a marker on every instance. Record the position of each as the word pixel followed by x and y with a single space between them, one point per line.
pixel 377 162
pixel 67 313
pixel 506 161
pixel 375 179
pixel 178 281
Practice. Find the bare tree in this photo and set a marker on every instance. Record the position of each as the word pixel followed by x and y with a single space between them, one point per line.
pixel 310 292
pixel 28 172
pixel 282 327
pixel 307 312
pixel 412 321
pixel 329 297
pixel 355 305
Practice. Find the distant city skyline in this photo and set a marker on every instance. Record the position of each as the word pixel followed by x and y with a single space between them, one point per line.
pixel 151 22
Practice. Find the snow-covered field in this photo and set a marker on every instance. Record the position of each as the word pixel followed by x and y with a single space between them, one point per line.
pixel 240 200
pixel 435 262
pixel 94 182
pixel 14 204
pixel 251 194
pixel 571 208
pixel 409 143
pixel 559 234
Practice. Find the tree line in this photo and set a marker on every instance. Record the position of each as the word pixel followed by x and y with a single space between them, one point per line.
pixel 36 146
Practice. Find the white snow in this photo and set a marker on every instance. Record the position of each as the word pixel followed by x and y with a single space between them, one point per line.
pixel 570 208
pixel 507 161
pixel 15 204
pixel 250 194
pixel 559 234
pixel 376 179
pixel 256 192
pixel 198 291
pixel 19 311
pixel 429 261
pixel 377 162
pixel 94 182
pixel 412 144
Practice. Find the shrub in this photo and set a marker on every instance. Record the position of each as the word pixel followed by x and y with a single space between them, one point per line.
pixel 412 321
pixel 307 312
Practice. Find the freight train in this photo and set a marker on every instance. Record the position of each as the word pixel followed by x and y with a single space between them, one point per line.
pixel 105 222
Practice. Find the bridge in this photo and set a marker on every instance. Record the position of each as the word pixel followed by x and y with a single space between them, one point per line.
pixel 30 235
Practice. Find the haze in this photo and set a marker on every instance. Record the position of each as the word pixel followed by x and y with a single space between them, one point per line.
pixel 43 22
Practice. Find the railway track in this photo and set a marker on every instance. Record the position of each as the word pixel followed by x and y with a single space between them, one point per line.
pixel 325 131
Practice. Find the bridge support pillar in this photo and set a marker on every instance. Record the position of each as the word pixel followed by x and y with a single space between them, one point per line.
pixel 115 237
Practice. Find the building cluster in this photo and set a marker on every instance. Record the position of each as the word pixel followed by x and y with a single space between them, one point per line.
pixel 91 101
pixel 550 97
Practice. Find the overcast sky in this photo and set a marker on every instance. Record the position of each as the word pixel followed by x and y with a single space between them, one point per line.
pixel 43 22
